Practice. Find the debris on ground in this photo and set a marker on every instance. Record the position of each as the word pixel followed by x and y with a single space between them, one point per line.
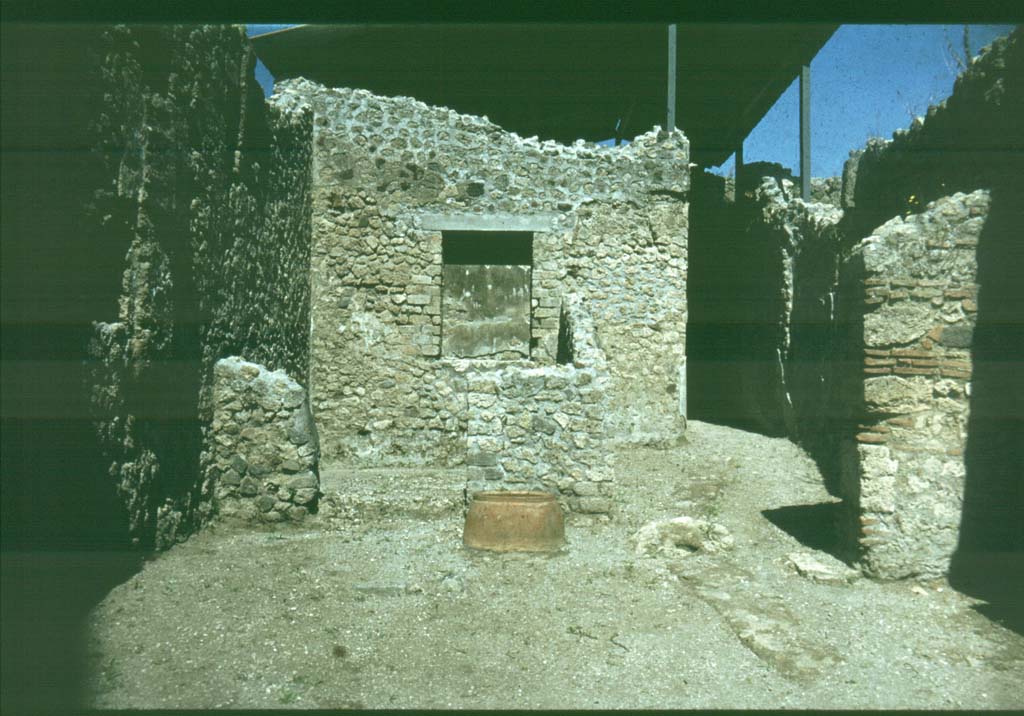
pixel 821 567
pixel 681 535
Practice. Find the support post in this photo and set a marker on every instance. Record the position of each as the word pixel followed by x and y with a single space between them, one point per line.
pixel 805 132
pixel 670 122
pixel 739 163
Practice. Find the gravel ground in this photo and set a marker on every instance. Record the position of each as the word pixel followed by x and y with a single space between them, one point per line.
pixel 377 604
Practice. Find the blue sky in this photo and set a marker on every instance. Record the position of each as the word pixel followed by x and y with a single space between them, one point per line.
pixel 868 80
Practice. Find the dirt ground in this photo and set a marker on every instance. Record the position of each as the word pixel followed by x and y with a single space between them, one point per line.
pixel 376 604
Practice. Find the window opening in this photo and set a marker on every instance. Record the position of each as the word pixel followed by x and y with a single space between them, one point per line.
pixel 486 307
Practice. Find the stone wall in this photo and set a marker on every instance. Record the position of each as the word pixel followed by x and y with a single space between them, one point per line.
pixel 827 190
pixel 544 428
pixel 919 301
pixel 764 304
pixel 790 382
pixel 892 322
pixel 208 189
pixel 393 178
pixel 950 474
pixel 971 139
pixel 60 273
pixel 265 446
pixel 714 285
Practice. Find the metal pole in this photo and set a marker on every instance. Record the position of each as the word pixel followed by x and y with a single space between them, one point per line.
pixel 805 132
pixel 739 162
pixel 671 121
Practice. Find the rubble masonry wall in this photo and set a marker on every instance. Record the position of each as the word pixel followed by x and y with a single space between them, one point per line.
pixel 545 428
pixel 264 443
pixel 208 190
pixel 390 176
pixel 938 471
pixel 904 466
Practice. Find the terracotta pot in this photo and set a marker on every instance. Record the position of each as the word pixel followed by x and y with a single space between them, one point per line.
pixel 514 522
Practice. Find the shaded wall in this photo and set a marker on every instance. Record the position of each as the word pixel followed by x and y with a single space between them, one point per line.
pixel 58 276
pixel 716 298
pixel 764 271
pixel 57 507
pixel 155 218
pixel 158 219
pixel 213 188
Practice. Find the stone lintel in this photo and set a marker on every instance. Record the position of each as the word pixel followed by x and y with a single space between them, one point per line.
pixel 544 221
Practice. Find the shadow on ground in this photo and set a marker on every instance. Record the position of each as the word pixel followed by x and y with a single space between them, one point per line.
pixel 814 526
pixel 995 577
pixel 46 597
pixel 1009 614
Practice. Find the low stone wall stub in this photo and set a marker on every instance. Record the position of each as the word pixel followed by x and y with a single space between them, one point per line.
pixel 264 454
pixel 540 429
pixel 544 428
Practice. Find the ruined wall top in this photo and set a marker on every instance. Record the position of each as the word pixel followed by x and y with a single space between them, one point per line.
pixel 426 156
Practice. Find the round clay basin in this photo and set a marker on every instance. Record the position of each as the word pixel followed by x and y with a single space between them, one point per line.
pixel 522 521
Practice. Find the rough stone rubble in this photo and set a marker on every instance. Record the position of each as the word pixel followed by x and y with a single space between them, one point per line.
pixel 266 449
pixel 207 187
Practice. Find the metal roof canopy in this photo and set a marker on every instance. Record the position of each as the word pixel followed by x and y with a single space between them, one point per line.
pixel 564 81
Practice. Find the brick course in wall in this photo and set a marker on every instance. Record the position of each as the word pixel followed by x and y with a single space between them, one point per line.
pixel 929 467
pixel 919 304
pixel 893 322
